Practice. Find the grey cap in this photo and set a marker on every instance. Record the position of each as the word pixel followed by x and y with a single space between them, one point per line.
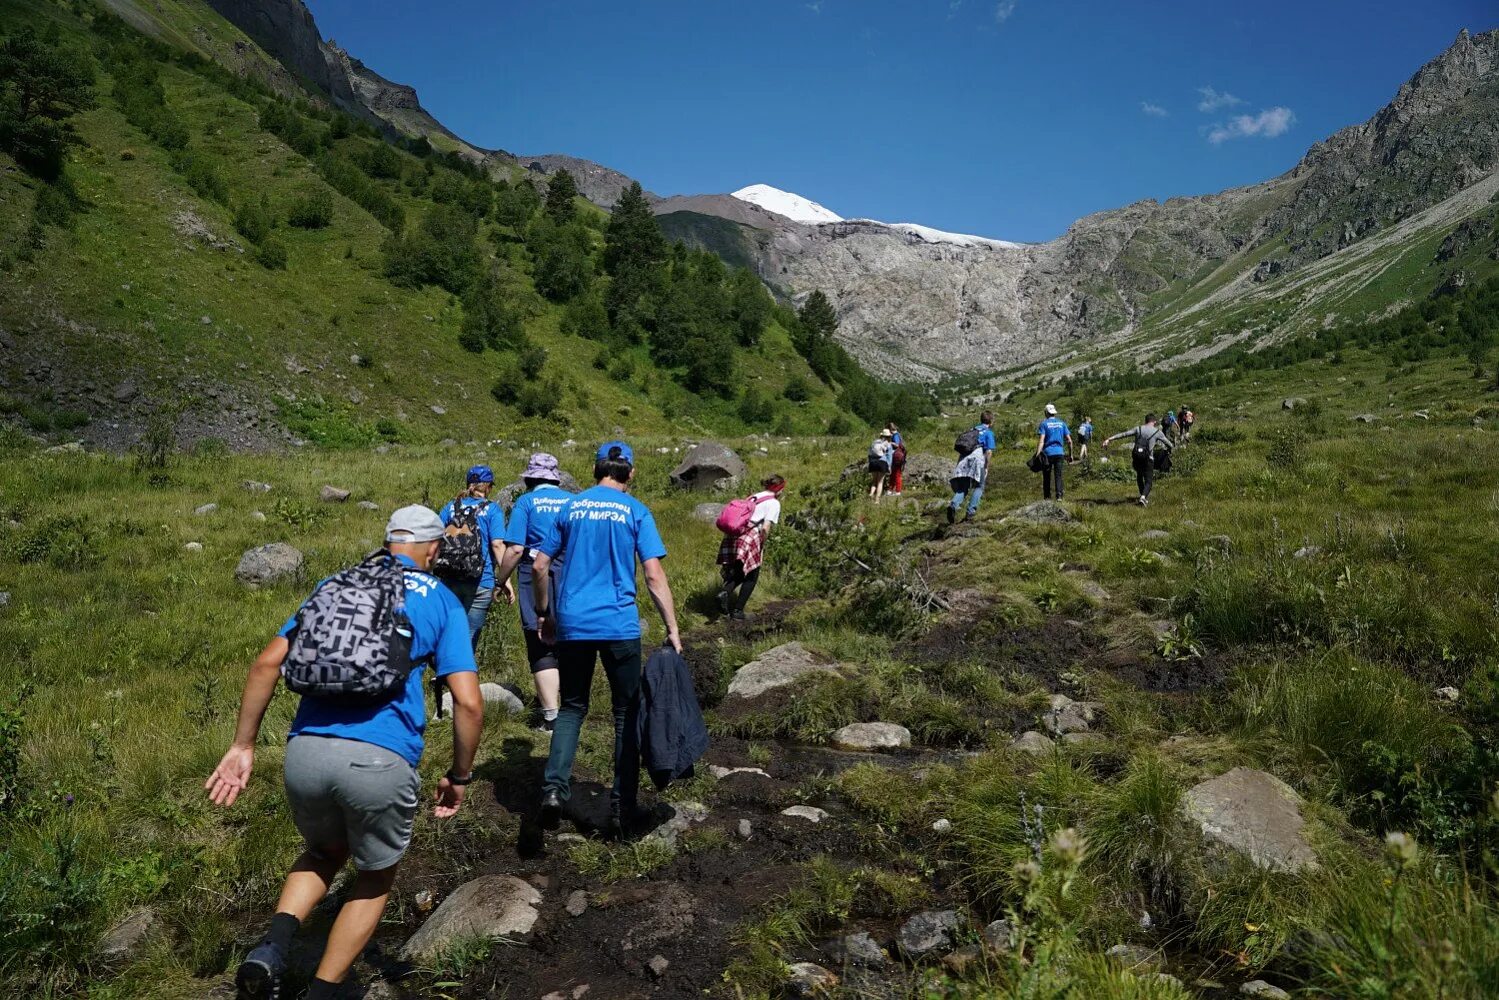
pixel 414 524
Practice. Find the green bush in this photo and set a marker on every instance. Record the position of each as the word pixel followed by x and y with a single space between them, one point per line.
pixel 271 254
pixel 201 172
pixel 253 219
pixel 311 211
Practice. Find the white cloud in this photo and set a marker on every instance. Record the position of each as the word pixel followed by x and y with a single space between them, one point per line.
pixel 1004 9
pixel 815 7
pixel 1154 110
pixel 952 9
pixel 1214 100
pixel 1268 124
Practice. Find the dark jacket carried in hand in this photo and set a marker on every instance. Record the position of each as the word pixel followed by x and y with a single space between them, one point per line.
pixel 670 724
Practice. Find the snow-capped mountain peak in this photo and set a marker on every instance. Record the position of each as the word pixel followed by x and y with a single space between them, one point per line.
pixel 792 206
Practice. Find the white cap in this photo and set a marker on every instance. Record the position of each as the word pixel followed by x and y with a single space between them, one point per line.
pixel 1051 409
pixel 414 524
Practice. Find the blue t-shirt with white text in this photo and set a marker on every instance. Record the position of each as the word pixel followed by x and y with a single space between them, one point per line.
pixel 1056 431
pixel 439 629
pixel 491 524
pixel 533 514
pixel 986 437
pixel 1086 430
pixel 599 534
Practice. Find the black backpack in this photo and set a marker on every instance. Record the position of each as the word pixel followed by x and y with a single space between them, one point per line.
pixel 352 640
pixel 462 554
pixel 1142 449
pixel 966 442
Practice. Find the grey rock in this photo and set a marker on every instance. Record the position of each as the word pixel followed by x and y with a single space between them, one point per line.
pixel 1041 512
pixel 367 505
pixel 728 772
pixel 872 736
pixel 128 936
pixel 807 979
pixel 490 907
pixel 1253 813
pixel 205 509
pixel 1133 956
pixel 1068 716
pixel 943 825
pixel 70 448
pixel 257 515
pixel 684 815
pixel 576 993
pixel 709 466
pixel 125 392
pixel 745 830
pixel 4 598
pixel 788 664
pixel 1307 552
pixel 193 547
pixel 810 813
pixel 332 494
pixel 1222 543
pixel 859 949
pixel 658 965
pixel 438 410
pixel 1155 535
pixel 1263 990
pixel 707 512
pixel 577 903
pixel 1093 590
pixel 1291 402
pixel 1000 936
pixel 494 695
pixel 1034 743
pixel 252 486
pixel 928 934
pixel 268 564
pixel 1448 694
pixel 1365 418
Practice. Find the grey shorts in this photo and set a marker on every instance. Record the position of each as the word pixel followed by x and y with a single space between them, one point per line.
pixel 348 795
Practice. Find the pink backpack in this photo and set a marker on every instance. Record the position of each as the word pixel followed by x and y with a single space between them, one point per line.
pixel 736 516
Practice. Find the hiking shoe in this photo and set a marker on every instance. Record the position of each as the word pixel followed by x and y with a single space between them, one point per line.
pixel 723 602
pixel 1145 501
pixel 259 975
pixel 952 514
pixel 968 517
pixel 740 616
pixel 551 809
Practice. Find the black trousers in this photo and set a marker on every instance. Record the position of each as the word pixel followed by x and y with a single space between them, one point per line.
pixel 575 662
pixel 1052 472
pixel 744 582
pixel 1144 475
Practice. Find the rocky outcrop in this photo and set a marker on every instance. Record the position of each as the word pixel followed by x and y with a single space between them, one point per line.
pixel 1253 813
pixel 783 666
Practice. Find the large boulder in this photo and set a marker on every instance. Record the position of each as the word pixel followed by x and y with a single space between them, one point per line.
pixel 784 665
pixel 506 497
pixel 490 907
pixel 872 736
pixel 1254 813
pixel 927 470
pixel 268 565
pixel 707 512
pixel 709 466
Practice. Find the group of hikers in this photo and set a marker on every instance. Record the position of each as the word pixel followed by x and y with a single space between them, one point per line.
pixel 358 649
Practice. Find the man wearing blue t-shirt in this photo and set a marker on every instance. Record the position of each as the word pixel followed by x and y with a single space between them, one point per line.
pixel 350 770
pixel 1053 442
pixel 971 474
pixel 476 594
pixel 599 535
pixel 1084 438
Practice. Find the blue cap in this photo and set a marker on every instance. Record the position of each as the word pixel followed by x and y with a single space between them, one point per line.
pixel 481 474
pixel 606 449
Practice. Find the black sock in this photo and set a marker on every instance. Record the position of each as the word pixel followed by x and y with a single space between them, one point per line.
pixel 283 926
pixel 321 989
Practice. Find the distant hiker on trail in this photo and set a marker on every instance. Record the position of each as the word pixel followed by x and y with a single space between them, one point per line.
pixel 1168 424
pixel 897 459
pixel 471 547
pixel 602 532
pixel 1053 441
pixel 356 651
pixel 1146 437
pixel 880 454
pixel 1084 438
pixel 532 516
pixel 1185 418
pixel 971 474
pixel 742 550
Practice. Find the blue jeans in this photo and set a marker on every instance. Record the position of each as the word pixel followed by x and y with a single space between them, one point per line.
pixel 975 493
pixel 478 611
pixel 575 663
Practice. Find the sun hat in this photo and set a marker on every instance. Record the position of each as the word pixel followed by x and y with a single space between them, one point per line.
pixel 886 433
pixel 608 450
pixel 1051 409
pixel 542 466
pixel 414 524
pixel 480 474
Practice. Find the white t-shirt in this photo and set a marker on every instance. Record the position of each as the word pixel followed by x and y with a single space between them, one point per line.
pixel 767 509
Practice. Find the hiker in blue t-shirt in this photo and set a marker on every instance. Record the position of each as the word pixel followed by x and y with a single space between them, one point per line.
pixel 597 539
pixel 350 770
pixel 474 584
pixel 971 474
pixel 1053 442
pixel 1168 424
pixel 531 518
pixel 1084 438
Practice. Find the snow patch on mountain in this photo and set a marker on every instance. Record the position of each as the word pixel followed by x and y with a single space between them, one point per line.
pixel 930 235
pixel 792 206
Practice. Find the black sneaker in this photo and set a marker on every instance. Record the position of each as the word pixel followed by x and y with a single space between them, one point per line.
pixel 740 616
pixel 968 517
pixel 723 602
pixel 259 975
pixel 551 809
pixel 952 514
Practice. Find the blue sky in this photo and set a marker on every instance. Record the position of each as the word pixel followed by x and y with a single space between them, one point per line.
pixel 1004 118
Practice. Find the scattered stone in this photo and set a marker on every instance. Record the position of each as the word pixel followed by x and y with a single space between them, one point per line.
pixel 810 813
pixel 205 509
pixel 1448 693
pixel 206 320
pixel 1222 543
pixel 570 838
pixel 658 966
pixel 489 907
pixel 424 899
pixel 268 564
pixel 332 494
pixel 943 825
pixel 872 736
pixel 1068 716
pixel 1077 739
pixel 683 815
pixel 438 410
pixel 193 547
pixel 1292 402
pixel 807 979
pixel 577 903
pixel 493 694
pixel 859 949
pixel 252 486
pixel 257 515
pixel 1164 978
pixel 1254 813
pixel 776 668
pixel 965 958
pixel 4 598
pixel 1155 535
pixel 1365 418
pixel 1093 590
pixel 576 993
pixel 745 830
pixel 709 466
pixel 1041 512
pixel 728 772
pixel 367 505
pixel 927 933
pixel 125 392
pixel 1421 415
pixel 707 512
pixel 1000 937
pixel 1133 956
pixel 1263 990
pixel 1034 743
pixel 1307 552
pixel 124 941
pixel 71 448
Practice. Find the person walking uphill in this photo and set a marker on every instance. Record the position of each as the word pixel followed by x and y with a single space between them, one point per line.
pixel 600 533
pixel 971 474
pixel 897 459
pixel 471 547
pixel 880 454
pixel 1146 437
pixel 1053 442
pixel 356 651
pixel 1084 438
pixel 740 555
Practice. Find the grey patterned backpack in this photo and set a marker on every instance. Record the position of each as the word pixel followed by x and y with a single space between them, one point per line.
pixel 352 641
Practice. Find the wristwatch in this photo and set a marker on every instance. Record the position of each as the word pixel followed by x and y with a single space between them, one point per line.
pixel 455 779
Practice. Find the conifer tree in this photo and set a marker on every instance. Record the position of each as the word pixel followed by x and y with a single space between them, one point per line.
pixel 561 190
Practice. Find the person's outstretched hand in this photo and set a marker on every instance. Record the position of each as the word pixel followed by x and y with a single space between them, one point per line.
pixel 231 776
pixel 449 798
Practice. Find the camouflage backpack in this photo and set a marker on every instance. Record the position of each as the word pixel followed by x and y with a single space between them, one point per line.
pixel 462 554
